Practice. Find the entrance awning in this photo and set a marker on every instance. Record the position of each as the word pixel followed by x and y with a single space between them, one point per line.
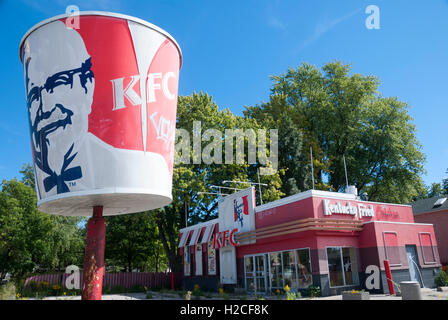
pixel 191 236
pixel 183 238
pixel 208 232
pixel 195 236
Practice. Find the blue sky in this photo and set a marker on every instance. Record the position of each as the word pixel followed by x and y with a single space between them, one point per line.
pixel 230 48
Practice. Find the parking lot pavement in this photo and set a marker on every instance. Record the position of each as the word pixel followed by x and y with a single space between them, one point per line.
pixel 427 294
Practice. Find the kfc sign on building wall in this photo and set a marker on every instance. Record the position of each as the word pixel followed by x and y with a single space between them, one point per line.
pixel 224 238
pixel 347 208
pixel 236 211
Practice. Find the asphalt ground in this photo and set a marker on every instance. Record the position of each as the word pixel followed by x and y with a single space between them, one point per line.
pixel 426 293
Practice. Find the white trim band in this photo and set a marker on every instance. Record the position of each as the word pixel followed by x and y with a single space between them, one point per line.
pixel 104 14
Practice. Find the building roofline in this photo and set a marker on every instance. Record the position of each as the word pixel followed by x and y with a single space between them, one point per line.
pixel 199 225
pixel 318 194
pixel 430 211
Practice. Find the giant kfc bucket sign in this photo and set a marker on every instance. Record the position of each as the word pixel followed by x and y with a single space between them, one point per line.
pixel 101 101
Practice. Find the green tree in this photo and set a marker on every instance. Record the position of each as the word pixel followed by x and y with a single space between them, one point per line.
pixel 31 240
pixel 132 242
pixel 445 184
pixel 343 115
pixel 435 190
pixel 293 158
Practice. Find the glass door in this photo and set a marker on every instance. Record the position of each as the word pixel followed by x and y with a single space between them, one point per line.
pixel 414 268
pixel 249 268
pixel 255 271
pixel 260 273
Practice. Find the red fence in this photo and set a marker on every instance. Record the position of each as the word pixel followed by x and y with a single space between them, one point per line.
pixel 122 279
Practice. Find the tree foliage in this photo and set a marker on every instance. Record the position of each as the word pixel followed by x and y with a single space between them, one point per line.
pixel 31 240
pixel 132 242
pixel 343 115
pixel 436 189
pixel 192 181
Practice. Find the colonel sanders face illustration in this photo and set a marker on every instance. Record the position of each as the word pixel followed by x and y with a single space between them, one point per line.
pixel 59 87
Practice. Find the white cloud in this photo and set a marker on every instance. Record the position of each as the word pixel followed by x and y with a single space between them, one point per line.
pixel 323 27
pixel 276 23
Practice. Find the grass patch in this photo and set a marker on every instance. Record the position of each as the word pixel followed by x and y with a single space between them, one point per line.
pixel 7 291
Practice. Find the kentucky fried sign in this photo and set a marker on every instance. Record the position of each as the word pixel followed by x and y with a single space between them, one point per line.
pixel 101 101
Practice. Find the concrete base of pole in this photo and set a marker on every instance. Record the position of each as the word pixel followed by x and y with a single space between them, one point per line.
pixel 410 290
pixel 94 256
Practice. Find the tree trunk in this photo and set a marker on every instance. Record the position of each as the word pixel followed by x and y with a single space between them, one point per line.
pixel 169 243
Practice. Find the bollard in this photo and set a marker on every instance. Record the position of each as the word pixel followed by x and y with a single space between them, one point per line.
pixel 410 290
pixel 390 283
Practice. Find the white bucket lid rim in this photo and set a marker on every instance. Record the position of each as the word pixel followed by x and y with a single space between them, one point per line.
pixel 104 14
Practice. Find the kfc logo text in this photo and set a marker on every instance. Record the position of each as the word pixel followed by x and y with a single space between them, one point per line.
pixel 127 88
pixel 220 239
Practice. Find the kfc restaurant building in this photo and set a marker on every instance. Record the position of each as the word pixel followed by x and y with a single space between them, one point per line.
pixel 318 238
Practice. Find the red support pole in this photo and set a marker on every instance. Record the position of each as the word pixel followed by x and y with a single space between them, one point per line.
pixel 390 283
pixel 94 256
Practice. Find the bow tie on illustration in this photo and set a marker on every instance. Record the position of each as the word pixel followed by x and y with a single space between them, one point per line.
pixel 59 180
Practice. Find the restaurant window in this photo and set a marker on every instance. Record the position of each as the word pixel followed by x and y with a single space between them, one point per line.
pixel 187 261
pixel 211 259
pixel 350 267
pixel 391 248
pixel 427 248
pixel 250 273
pixel 304 268
pixel 276 270
pixel 342 266
pixel 289 269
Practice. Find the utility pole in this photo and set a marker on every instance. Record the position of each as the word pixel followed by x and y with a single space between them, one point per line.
pixel 312 166
pixel 345 169
pixel 251 183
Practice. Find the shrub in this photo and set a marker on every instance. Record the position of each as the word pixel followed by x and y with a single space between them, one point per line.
pixel 313 291
pixel 7 291
pixel 181 293
pixel 441 279
pixel 56 290
pixel 230 290
pixel 33 285
pixel 291 295
pixel 137 288
pixel 196 291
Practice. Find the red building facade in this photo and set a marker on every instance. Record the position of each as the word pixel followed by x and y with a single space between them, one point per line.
pixel 315 238
pixel 435 211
